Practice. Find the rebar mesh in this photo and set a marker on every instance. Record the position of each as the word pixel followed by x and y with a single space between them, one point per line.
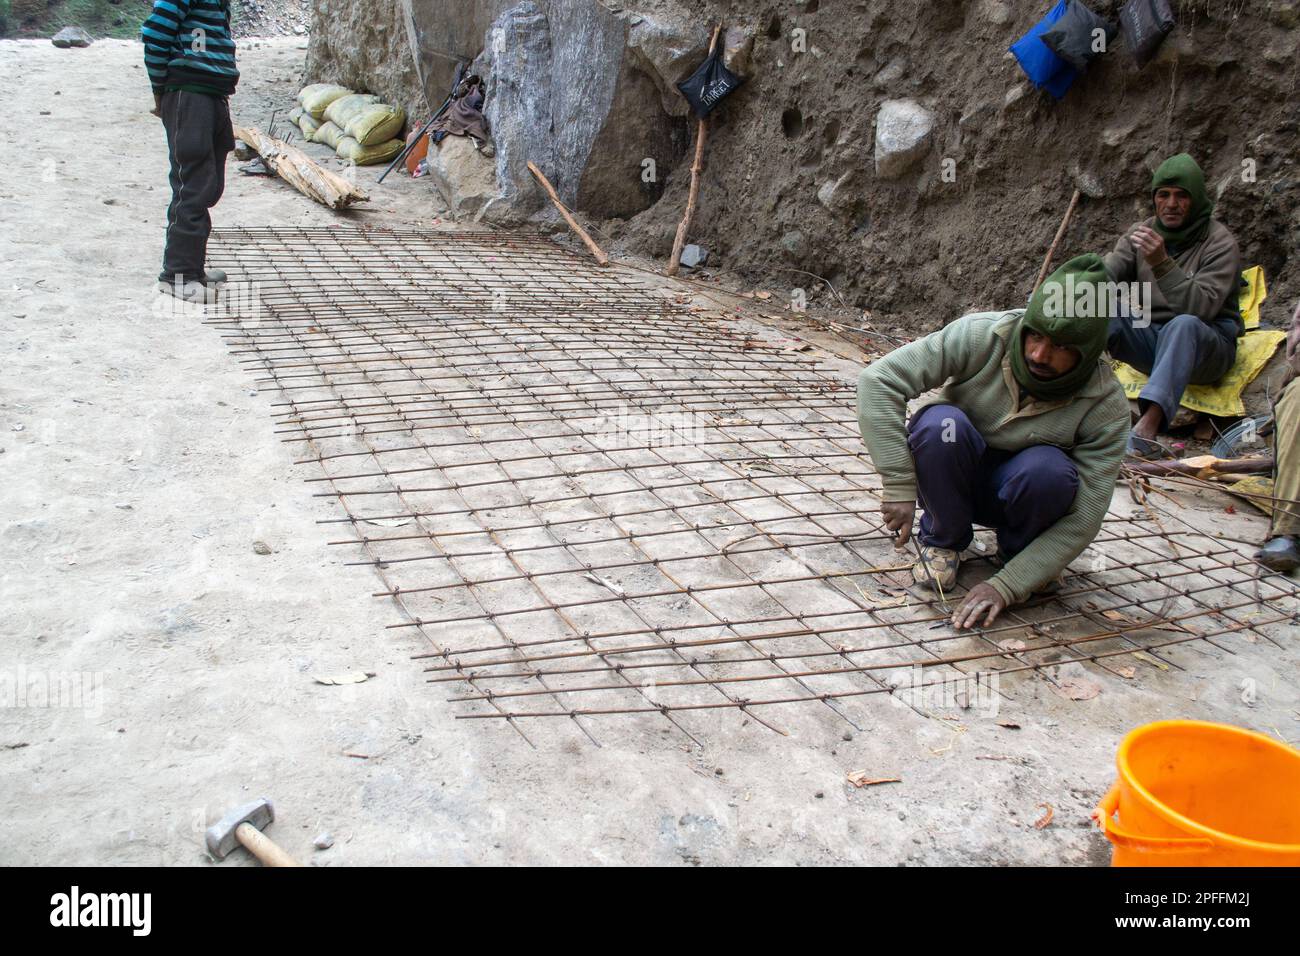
pixel 589 499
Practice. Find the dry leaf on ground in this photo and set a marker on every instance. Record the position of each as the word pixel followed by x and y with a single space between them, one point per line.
pixel 1046 819
pixel 1078 688
pixel 860 779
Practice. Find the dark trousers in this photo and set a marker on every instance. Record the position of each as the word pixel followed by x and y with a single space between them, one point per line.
pixel 961 481
pixel 199 135
pixel 1183 351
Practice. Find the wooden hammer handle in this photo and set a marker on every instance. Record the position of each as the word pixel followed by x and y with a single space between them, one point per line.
pixel 262 846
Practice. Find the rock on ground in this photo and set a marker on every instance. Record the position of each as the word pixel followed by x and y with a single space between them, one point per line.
pixel 466 180
pixel 72 36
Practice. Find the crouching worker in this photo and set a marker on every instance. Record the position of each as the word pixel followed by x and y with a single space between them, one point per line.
pixel 1026 437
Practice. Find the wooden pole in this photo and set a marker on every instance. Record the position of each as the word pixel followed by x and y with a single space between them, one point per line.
pixel 545 183
pixel 697 166
pixel 301 171
pixel 1060 234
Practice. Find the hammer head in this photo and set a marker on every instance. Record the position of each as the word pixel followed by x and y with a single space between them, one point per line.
pixel 221 835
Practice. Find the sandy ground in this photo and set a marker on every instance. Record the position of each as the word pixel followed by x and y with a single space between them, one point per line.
pixel 166 668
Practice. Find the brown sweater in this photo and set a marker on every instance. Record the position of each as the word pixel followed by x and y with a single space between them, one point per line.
pixel 1202 280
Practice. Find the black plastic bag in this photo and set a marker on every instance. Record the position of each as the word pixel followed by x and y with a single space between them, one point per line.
pixel 706 87
pixel 1145 24
pixel 1074 38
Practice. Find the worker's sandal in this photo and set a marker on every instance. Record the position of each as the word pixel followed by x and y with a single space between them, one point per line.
pixel 939 569
pixel 1147 449
pixel 1280 554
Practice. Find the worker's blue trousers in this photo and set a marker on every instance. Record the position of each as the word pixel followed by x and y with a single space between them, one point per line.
pixel 1183 351
pixel 961 482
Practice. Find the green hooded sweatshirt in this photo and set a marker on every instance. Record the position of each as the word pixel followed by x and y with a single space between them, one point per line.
pixel 972 361
pixel 1070 309
pixel 1182 171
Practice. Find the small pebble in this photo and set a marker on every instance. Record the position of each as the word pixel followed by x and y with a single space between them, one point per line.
pixel 718 771
pixel 261 547
pixel 323 842
pixel 819 794
pixel 847 736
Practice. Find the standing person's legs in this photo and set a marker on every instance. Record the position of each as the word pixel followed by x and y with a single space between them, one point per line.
pixel 946 451
pixel 1282 550
pixel 1026 494
pixel 198 131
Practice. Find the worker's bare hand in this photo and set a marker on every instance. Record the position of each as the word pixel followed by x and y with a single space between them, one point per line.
pixel 1150 243
pixel 982 601
pixel 898 519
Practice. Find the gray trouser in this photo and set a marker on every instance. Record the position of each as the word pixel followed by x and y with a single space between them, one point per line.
pixel 199 135
pixel 1183 351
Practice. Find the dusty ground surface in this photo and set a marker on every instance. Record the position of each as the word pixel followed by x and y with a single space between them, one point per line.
pixel 140 469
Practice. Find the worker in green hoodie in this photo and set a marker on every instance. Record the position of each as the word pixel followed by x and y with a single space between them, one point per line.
pixel 1026 437
pixel 1189 268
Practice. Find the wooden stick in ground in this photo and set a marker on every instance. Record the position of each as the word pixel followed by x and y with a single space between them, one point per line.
pixel 1060 234
pixel 697 165
pixel 545 183
pixel 301 171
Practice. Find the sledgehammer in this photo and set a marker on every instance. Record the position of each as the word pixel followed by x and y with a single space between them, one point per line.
pixel 244 826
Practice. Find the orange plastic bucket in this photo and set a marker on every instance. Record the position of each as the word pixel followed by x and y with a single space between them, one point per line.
pixel 1199 794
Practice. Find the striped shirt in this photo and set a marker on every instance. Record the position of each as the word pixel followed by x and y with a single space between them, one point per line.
pixel 188 42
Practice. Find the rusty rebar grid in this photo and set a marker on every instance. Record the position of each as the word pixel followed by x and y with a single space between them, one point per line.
pixel 641 489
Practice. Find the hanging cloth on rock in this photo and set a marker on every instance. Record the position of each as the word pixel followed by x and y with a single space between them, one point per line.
pixel 464 117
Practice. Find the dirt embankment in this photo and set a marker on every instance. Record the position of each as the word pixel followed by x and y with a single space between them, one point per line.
pixel 791 187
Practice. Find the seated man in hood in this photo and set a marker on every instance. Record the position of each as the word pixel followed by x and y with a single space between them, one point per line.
pixel 1187 263
pixel 1026 437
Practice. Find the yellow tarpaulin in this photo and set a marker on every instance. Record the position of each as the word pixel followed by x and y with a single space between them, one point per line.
pixel 1254 349
pixel 1252 297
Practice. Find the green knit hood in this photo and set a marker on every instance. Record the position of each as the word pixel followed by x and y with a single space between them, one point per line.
pixel 1070 309
pixel 1183 172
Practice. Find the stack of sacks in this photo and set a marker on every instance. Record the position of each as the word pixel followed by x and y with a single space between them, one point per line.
pixel 305 122
pixel 356 126
pixel 315 99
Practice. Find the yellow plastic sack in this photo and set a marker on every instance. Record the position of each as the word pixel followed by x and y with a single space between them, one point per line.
pixel 341 111
pixel 308 125
pixel 1253 296
pixel 315 99
pixel 1223 398
pixel 350 149
pixel 1256 489
pixel 329 134
pixel 376 124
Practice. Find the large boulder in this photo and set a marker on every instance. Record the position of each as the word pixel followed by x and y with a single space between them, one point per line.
pixel 584 91
pixel 467 181
pixel 904 129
